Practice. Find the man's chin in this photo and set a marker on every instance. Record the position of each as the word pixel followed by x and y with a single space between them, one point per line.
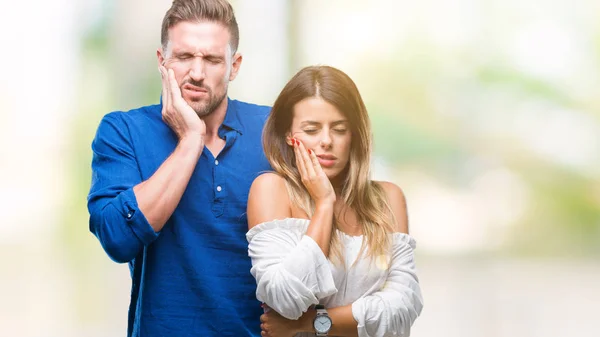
pixel 204 107
pixel 199 105
pixel 192 101
pixel 201 109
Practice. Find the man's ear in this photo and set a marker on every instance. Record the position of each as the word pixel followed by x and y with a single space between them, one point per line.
pixel 159 57
pixel 235 66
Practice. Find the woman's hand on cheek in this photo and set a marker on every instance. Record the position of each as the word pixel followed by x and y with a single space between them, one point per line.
pixel 314 179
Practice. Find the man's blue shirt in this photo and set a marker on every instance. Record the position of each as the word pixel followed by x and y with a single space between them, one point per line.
pixel 193 277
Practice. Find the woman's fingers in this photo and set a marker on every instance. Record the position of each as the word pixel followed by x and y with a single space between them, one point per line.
pixel 314 179
pixel 310 170
pixel 299 160
pixel 315 162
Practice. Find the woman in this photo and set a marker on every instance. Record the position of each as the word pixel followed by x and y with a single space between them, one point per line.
pixel 321 233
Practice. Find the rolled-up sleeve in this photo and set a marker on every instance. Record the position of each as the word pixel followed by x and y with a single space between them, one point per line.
pixel 392 310
pixel 290 269
pixel 115 217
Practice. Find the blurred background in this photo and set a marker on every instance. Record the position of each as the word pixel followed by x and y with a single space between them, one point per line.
pixel 486 113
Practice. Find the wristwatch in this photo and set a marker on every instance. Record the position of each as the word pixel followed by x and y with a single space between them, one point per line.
pixel 322 322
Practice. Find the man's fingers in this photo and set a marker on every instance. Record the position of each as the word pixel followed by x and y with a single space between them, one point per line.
pixel 166 92
pixel 174 86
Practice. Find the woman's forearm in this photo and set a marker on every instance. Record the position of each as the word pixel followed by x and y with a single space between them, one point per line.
pixel 344 324
pixel 320 225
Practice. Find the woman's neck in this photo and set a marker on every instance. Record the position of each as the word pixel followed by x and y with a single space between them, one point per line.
pixel 338 182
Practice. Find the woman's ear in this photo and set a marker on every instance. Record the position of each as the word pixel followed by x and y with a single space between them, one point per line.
pixel 288 139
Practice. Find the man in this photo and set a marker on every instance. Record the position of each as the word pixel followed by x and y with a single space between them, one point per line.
pixel 170 184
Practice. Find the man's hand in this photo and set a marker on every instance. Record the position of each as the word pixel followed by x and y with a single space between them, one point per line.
pixel 180 117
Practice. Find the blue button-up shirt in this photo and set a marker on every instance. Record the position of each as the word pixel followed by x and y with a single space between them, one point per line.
pixel 193 277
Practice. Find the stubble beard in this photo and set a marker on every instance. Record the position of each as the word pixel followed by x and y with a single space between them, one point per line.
pixel 205 108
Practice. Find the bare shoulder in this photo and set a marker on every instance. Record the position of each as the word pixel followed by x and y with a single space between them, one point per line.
pixel 393 192
pixel 397 202
pixel 268 199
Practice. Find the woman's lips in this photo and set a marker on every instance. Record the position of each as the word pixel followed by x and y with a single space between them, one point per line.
pixel 326 160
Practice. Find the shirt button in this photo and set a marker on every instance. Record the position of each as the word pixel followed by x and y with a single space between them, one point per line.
pixel 216 162
pixel 129 215
pixel 219 188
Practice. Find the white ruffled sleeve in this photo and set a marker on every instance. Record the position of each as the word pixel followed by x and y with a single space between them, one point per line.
pixel 290 269
pixel 392 310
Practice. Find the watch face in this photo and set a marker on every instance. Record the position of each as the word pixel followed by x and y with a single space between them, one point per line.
pixel 322 324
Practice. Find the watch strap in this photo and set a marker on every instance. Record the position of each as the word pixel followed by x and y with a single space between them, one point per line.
pixel 321 311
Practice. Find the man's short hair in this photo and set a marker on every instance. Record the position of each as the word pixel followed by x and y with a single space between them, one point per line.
pixel 201 10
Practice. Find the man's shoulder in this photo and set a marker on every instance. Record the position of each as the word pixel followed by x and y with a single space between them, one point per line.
pixel 134 122
pixel 142 115
pixel 137 113
pixel 251 109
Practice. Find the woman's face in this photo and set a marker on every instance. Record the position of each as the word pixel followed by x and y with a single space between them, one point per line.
pixel 321 127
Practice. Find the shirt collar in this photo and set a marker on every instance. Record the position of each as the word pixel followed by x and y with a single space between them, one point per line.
pixel 232 119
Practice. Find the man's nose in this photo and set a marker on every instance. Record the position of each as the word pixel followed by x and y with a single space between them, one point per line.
pixel 197 71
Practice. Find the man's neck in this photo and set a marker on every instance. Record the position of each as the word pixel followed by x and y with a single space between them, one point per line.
pixel 215 119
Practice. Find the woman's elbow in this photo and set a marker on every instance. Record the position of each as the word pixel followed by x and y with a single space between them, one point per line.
pixel 289 301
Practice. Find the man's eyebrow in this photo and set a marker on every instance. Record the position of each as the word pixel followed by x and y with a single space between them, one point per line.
pixel 181 52
pixel 216 56
pixel 204 55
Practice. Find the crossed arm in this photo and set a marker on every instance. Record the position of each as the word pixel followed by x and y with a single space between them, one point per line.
pixel 292 274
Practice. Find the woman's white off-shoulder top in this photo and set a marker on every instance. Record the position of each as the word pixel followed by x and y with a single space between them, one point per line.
pixel 292 273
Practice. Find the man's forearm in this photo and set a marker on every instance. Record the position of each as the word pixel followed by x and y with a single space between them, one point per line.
pixel 158 196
